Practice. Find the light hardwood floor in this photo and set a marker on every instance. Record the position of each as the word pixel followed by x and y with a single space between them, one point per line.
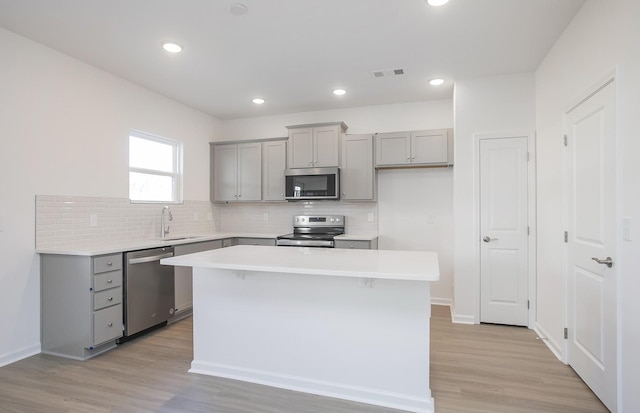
pixel 483 368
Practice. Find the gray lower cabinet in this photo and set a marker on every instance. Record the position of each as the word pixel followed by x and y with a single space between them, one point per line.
pixel 357 244
pixel 256 241
pixel 81 304
pixel 184 277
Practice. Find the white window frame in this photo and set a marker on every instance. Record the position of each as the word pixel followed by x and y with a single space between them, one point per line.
pixel 176 174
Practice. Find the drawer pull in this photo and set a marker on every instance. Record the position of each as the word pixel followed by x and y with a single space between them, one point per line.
pixel 109 264
pixel 351 246
pixel 109 281
pixel 109 324
pixel 110 299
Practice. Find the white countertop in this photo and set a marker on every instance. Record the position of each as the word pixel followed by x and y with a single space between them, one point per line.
pixel 398 265
pixel 114 248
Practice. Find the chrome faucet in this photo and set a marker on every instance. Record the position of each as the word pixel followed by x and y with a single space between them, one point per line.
pixel 165 230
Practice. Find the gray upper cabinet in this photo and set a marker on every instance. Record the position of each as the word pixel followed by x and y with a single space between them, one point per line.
pixel 356 168
pixel 427 147
pixel 237 172
pixel 274 162
pixel 315 145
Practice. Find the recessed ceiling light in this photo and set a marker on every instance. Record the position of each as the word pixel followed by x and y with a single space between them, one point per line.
pixel 339 92
pixel 237 9
pixel 436 3
pixel 258 101
pixel 436 82
pixel 172 47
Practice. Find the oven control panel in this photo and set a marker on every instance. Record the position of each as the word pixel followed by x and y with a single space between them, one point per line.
pixel 318 220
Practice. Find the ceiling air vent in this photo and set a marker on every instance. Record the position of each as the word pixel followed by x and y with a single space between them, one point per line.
pixel 388 72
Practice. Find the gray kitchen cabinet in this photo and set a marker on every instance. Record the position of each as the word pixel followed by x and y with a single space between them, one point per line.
pixel 357 244
pixel 256 241
pixel 417 148
pixel 229 242
pixel 274 162
pixel 314 145
pixel 184 277
pixel 237 172
pixel 81 304
pixel 356 168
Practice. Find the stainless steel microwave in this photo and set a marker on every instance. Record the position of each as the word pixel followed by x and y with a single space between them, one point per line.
pixel 312 183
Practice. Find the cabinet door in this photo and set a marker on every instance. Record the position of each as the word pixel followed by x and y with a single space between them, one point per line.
pixel 250 172
pixel 356 169
pixel 225 172
pixel 326 146
pixel 274 162
pixel 393 148
pixel 429 147
pixel 300 148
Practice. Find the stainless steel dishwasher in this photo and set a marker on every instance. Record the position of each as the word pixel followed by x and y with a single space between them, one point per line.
pixel 149 290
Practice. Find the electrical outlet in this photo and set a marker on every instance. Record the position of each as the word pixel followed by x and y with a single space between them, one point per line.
pixel 209 216
pixel 93 220
pixel 265 216
pixel 195 216
pixel 370 217
pixel 430 219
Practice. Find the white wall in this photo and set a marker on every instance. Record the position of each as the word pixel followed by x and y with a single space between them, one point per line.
pixel 64 129
pixel 406 197
pixel 602 36
pixel 436 114
pixel 415 207
pixel 484 105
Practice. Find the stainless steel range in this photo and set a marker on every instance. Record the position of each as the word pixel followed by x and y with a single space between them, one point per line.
pixel 313 231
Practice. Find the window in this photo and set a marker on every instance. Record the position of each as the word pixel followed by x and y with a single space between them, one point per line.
pixel 155 168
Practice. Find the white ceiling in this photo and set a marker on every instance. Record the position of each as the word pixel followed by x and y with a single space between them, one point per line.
pixel 293 53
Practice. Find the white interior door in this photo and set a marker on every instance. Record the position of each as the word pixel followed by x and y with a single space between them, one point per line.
pixel 504 257
pixel 592 235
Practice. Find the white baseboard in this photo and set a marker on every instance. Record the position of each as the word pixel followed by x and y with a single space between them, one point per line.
pixel 338 390
pixel 552 345
pixel 461 318
pixel 441 301
pixel 9 358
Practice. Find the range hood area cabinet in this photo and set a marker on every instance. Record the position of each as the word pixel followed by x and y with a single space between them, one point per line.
pixel 249 171
pixel 416 148
pixel 314 145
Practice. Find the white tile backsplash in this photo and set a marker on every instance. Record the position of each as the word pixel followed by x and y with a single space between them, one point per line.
pixel 65 221
pixel 250 217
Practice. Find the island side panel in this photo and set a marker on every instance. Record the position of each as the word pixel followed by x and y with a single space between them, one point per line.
pixel 358 339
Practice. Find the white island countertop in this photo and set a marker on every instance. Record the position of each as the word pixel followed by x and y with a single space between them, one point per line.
pixel 382 264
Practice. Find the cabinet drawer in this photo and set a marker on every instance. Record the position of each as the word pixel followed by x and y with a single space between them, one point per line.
pixel 257 241
pixel 107 280
pixel 107 324
pixel 358 245
pixel 107 298
pixel 107 263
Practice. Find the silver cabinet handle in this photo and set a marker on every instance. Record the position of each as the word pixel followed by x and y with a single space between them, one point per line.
pixel 109 324
pixel 486 238
pixel 110 299
pixel 607 261
pixel 109 264
pixel 109 281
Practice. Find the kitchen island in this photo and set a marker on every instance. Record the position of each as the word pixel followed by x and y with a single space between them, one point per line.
pixel 351 324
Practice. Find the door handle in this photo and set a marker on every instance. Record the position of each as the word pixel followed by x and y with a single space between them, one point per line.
pixel 607 261
pixel 486 238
